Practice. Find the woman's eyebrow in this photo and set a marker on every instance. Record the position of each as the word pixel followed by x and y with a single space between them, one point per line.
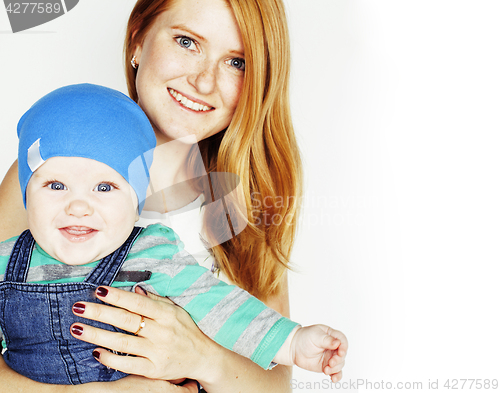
pixel 188 30
pixel 237 53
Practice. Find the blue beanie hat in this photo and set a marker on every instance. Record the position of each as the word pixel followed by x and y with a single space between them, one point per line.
pixel 88 121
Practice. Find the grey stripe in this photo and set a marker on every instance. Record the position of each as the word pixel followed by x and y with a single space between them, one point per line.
pixel 164 266
pixel 255 332
pixel 217 316
pixel 202 285
pixel 184 258
pixel 128 288
pixel 6 248
pixel 145 242
pixel 55 272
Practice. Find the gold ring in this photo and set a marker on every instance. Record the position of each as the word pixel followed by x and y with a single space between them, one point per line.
pixel 141 325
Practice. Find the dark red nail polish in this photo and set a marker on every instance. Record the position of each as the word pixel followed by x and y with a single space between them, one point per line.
pixel 96 354
pixel 79 308
pixel 102 292
pixel 77 330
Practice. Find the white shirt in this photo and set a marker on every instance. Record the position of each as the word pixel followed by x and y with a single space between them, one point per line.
pixel 187 222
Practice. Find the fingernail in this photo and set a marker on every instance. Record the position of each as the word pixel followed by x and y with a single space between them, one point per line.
pixel 142 290
pixel 96 354
pixel 79 308
pixel 77 330
pixel 102 292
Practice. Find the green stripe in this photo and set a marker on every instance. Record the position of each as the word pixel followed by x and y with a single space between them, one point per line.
pixel 184 279
pixel 200 306
pixel 4 260
pixel 160 230
pixel 157 252
pixel 39 258
pixel 272 342
pixel 238 322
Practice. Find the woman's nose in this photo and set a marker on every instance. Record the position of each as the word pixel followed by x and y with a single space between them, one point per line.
pixel 204 77
pixel 79 208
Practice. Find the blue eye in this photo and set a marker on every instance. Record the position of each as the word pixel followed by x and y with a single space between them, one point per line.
pixel 184 41
pixel 104 187
pixel 57 186
pixel 237 63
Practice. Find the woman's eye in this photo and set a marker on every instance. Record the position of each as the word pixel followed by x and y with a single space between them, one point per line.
pixel 104 187
pixel 185 42
pixel 57 186
pixel 237 63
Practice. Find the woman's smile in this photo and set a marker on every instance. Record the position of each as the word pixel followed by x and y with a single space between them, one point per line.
pixel 193 104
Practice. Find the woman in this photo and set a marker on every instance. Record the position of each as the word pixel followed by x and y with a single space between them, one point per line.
pixel 216 73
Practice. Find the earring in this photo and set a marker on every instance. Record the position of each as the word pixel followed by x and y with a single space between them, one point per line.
pixel 134 64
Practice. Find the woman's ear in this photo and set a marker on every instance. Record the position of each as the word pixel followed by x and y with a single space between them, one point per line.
pixel 137 54
pixel 137 49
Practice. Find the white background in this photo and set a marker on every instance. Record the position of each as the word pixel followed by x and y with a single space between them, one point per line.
pixel 396 107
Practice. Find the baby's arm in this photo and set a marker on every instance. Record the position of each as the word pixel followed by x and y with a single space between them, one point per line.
pixel 316 348
pixel 229 315
pixel 225 313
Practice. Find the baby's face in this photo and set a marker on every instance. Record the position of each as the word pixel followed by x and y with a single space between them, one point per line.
pixel 79 210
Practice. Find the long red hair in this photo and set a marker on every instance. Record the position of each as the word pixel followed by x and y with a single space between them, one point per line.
pixel 259 145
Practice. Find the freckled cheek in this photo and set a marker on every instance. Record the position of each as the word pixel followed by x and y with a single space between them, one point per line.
pixel 168 64
pixel 234 93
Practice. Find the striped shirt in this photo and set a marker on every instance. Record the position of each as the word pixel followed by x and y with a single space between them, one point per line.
pixel 157 261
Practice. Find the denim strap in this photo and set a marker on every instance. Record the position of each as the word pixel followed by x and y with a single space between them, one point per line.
pixel 19 261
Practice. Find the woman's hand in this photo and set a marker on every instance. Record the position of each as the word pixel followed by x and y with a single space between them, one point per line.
pixel 169 346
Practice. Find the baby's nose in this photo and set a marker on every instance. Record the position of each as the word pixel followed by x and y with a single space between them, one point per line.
pixel 79 208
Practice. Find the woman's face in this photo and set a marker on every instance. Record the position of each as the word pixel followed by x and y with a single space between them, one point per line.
pixel 191 70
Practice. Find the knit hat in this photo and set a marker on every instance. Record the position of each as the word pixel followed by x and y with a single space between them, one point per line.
pixel 88 121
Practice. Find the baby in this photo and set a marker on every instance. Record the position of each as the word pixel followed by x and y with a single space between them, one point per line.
pixel 84 158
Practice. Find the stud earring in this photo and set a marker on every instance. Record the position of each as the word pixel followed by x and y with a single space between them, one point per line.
pixel 133 62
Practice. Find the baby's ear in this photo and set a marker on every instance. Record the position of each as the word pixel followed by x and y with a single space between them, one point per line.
pixel 137 214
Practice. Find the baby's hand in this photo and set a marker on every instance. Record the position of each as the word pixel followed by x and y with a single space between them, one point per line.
pixel 320 348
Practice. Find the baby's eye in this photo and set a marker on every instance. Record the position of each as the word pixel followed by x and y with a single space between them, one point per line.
pixel 104 187
pixel 185 42
pixel 237 63
pixel 57 186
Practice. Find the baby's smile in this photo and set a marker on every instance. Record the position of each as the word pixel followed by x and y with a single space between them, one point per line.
pixel 78 234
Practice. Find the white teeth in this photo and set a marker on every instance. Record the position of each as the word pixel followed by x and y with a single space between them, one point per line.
pixel 78 230
pixel 195 106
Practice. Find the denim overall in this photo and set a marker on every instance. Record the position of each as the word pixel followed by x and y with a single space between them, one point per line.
pixel 36 319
